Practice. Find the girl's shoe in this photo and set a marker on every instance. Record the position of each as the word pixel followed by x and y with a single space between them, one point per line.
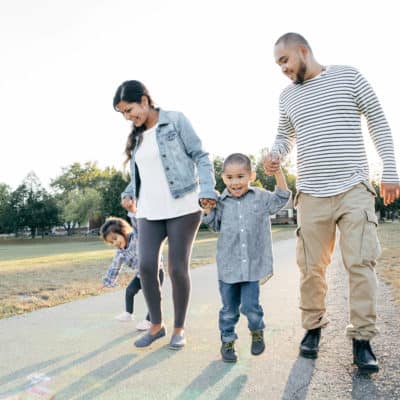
pixel 143 325
pixel 147 339
pixel 124 317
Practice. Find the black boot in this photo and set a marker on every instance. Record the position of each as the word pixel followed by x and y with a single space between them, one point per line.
pixel 228 352
pixel 257 342
pixel 309 345
pixel 364 357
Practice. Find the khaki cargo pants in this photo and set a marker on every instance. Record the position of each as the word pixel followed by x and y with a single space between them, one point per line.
pixel 354 214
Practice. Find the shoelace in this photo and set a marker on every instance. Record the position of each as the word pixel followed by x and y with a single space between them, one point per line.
pixel 228 346
pixel 257 336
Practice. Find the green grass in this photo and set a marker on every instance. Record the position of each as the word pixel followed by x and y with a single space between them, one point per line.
pixel 36 273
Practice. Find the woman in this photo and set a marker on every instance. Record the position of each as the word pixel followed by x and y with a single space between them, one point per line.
pixel 166 163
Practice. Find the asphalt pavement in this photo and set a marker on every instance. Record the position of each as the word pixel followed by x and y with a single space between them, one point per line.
pixel 78 351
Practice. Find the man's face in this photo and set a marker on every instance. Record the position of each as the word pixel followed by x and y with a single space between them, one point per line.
pixel 292 61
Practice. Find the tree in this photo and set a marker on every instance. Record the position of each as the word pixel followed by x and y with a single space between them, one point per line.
pixel 31 207
pixel 111 197
pixel 5 196
pixel 80 177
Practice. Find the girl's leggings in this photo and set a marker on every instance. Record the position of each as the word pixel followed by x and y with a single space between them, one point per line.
pixel 132 289
pixel 181 232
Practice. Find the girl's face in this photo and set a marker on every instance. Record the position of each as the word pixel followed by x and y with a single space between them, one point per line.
pixel 237 179
pixel 116 240
pixel 135 112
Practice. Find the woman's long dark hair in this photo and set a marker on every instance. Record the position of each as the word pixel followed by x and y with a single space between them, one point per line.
pixel 132 92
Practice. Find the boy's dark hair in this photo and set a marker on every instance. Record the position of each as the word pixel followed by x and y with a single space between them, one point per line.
pixel 237 158
pixel 115 225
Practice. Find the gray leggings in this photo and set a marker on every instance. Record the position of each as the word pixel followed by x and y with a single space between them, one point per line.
pixel 181 232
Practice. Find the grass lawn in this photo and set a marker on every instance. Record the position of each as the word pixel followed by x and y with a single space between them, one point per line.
pixel 45 272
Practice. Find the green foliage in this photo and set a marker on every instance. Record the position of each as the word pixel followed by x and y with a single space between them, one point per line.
pixel 111 197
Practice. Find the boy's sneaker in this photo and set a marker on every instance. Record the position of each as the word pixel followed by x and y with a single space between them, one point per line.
pixel 228 352
pixel 143 325
pixel 124 317
pixel 257 342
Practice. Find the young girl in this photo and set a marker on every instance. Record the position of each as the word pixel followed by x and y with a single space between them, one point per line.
pixel 117 232
pixel 244 249
pixel 167 164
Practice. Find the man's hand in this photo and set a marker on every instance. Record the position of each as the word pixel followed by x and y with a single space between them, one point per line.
pixel 129 204
pixel 390 192
pixel 272 163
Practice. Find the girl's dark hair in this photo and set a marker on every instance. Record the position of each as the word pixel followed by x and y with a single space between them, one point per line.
pixel 237 158
pixel 132 92
pixel 115 225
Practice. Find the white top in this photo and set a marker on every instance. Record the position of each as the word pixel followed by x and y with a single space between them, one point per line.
pixel 155 200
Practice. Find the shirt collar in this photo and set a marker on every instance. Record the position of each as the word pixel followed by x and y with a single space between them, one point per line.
pixel 226 193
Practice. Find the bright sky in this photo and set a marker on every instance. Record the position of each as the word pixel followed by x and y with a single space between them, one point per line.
pixel 62 60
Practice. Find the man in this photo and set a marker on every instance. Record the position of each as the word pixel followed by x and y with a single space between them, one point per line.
pixel 321 111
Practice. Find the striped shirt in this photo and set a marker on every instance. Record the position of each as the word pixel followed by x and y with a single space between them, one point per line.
pixel 323 117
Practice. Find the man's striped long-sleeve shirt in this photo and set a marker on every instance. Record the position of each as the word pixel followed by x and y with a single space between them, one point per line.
pixel 323 116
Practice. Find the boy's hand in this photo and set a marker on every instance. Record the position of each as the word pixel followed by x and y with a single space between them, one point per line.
pixel 129 204
pixel 208 203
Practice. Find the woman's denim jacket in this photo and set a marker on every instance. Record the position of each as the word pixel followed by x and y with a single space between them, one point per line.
pixel 185 162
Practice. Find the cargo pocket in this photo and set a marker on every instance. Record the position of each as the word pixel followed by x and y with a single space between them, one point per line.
pixel 370 246
pixel 301 251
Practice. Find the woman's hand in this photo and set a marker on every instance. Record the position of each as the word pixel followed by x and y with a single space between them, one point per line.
pixel 129 204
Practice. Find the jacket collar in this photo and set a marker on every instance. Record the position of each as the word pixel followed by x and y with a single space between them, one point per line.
pixel 226 193
pixel 162 117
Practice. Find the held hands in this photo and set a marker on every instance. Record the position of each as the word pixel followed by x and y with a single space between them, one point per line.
pixel 272 163
pixel 129 204
pixel 207 205
pixel 390 192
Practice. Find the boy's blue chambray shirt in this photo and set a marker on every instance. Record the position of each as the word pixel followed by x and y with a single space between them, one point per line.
pixel 244 246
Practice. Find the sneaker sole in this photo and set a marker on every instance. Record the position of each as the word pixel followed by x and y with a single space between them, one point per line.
pixel 229 361
pixel 368 369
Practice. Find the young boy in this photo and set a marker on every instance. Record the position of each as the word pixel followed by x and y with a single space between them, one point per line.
pixel 244 248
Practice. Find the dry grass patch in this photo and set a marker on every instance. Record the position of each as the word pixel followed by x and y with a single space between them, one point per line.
pixel 389 262
pixel 43 273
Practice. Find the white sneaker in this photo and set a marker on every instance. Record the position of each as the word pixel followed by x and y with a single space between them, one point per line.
pixel 124 317
pixel 143 325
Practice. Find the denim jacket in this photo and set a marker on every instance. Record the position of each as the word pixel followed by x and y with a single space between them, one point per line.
pixel 185 162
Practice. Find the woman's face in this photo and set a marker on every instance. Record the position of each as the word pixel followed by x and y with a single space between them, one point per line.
pixel 135 112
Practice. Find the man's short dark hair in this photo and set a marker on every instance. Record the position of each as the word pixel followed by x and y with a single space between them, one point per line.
pixel 293 38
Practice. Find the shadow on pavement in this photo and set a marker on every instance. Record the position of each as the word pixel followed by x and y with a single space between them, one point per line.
pixel 364 387
pixel 232 392
pixel 299 379
pixel 39 367
pixel 150 360
pixel 215 371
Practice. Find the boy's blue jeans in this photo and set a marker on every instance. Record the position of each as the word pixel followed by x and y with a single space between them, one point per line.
pixel 241 297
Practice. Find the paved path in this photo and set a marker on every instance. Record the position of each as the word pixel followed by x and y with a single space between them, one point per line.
pixel 88 355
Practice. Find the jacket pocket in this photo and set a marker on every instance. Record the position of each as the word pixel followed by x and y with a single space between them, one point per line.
pixel 370 246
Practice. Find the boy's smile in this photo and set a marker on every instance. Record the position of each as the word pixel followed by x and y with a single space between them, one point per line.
pixel 237 179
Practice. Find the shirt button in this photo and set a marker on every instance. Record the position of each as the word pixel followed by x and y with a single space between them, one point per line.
pixel 241 230
pixel 171 182
pixel 167 168
pixel 240 216
pixel 164 155
pixel 243 245
pixel 244 260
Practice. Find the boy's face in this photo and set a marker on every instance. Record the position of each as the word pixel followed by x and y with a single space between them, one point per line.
pixel 237 179
pixel 116 240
